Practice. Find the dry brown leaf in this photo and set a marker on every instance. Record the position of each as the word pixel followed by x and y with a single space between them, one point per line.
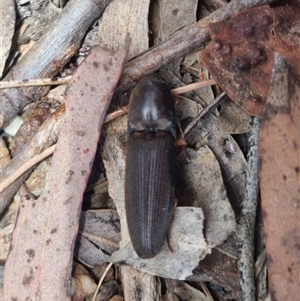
pixel 39 264
pixel 232 163
pixel 279 150
pixel 240 56
pixel 230 157
pixel 201 185
pixel 232 119
pixel 222 269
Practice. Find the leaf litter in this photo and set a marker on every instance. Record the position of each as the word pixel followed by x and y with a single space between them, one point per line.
pixel 212 136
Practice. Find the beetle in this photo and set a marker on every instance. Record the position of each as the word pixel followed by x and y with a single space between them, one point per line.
pixel 150 166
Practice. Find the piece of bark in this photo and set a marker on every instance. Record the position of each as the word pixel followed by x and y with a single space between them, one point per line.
pixel 39 264
pixel 132 20
pixel 45 137
pixel 200 185
pixel 7 29
pixel 279 153
pixel 49 54
pixel 181 43
pixel 102 227
pixel 136 284
pixel 241 54
pixel 88 253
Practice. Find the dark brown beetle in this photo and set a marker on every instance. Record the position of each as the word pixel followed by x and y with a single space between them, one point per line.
pixel 150 166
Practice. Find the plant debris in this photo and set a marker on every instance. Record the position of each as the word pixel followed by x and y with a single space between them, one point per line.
pixel 241 54
pixel 279 153
pixel 54 215
pixel 63 219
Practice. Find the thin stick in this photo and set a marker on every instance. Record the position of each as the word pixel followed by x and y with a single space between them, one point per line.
pixel 246 223
pixel 34 82
pixel 36 159
pixel 114 115
pixel 214 104
pixel 101 280
pixel 194 86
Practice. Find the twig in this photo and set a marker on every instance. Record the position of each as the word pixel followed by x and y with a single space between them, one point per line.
pixel 118 113
pixel 185 41
pixel 101 280
pixel 213 105
pixel 246 223
pixel 33 82
pixel 29 164
pixel 194 86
